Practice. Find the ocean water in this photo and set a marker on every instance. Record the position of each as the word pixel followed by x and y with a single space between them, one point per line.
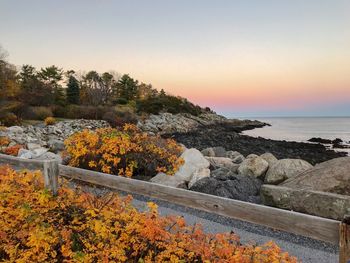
pixel 301 129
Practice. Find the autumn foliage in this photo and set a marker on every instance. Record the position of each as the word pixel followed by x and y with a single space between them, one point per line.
pixel 125 152
pixel 79 227
pixel 7 149
pixel 50 121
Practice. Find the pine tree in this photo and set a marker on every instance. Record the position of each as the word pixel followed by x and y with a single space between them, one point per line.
pixel 73 90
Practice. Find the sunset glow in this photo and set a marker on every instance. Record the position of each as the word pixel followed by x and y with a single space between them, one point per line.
pixel 238 57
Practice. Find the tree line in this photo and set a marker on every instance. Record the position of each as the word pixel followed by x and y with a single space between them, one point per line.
pixel 29 89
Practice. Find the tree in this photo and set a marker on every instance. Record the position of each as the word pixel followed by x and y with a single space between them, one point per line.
pixel 127 88
pixel 97 89
pixel 34 91
pixel 9 90
pixel 73 88
pixel 146 91
pixel 52 76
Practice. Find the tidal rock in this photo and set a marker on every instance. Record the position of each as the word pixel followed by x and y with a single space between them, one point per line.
pixel 284 169
pixel 168 180
pixel 270 158
pixel 330 176
pixel 197 175
pixel 253 166
pixel 217 162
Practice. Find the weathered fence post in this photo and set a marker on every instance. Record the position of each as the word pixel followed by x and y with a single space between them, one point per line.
pixel 50 172
pixel 344 240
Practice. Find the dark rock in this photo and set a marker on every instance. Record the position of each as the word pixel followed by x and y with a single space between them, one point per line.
pixel 226 135
pixel 219 151
pixel 244 188
pixel 320 140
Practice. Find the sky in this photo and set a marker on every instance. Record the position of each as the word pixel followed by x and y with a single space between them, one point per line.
pixel 241 58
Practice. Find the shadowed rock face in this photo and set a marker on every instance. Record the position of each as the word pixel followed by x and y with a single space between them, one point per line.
pixel 332 176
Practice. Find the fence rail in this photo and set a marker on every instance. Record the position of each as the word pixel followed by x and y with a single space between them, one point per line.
pixel 328 230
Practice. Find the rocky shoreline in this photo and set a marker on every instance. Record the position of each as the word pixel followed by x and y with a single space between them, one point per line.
pixel 229 137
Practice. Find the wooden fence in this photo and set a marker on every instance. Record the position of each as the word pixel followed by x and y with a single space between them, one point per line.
pixel 328 230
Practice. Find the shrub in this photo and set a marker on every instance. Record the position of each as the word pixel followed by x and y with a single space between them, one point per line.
pixel 125 151
pixel 118 118
pixel 76 227
pixel 38 113
pixel 121 101
pixel 12 150
pixel 50 121
pixel 4 141
pixel 9 119
pixel 167 103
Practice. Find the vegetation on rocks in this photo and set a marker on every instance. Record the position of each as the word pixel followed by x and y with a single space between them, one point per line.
pixel 79 227
pixel 125 151
pixel 53 92
pixel 50 121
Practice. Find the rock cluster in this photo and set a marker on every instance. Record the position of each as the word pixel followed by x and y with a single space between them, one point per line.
pixel 167 123
pixel 44 142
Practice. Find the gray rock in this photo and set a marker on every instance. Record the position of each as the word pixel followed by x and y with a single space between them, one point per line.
pixel 197 175
pixel 56 145
pixel 270 158
pixel 39 151
pixel 49 156
pixel 32 146
pixel 209 152
pixel 284 169
pixel 238 187
pixel 15 129
pixel 222 174
pixel 232 154
pixel 253 166
pixel 238 159
pixel 168 180
pixel 317 203
pixel 219 151
pixel 217 162
pixel 330 176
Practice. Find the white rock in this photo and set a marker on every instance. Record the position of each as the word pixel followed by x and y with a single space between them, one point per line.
pixel 197 175
pixel 24 153
pixel 168 180
pixel 194 161
pixel 39 151
pixel 253 167
pixel 252 155
pixel 232 154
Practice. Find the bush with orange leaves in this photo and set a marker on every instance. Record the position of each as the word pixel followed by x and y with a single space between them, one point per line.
pixel 125 151
pixel 9 150
pixel 79 227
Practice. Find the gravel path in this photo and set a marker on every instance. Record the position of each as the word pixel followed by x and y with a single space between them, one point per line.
pixel 307 250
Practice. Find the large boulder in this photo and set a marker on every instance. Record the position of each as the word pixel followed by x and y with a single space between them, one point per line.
pixel 317 203
pixel 217 162
pixel 194 165
pixel 330 176
pixel 244 188
pixel 209 152
pixel 284 169
pixel 270 158
pixel 253 166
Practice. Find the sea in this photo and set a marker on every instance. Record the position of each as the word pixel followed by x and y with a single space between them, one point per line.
pixel 300 129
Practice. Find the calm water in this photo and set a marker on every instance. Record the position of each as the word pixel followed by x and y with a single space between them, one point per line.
pixel 302 129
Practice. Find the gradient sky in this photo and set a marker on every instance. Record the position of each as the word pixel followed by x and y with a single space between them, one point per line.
pixel 242 58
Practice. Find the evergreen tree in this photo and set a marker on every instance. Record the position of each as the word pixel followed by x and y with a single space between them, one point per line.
pixel 127 88
pixel 73 90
